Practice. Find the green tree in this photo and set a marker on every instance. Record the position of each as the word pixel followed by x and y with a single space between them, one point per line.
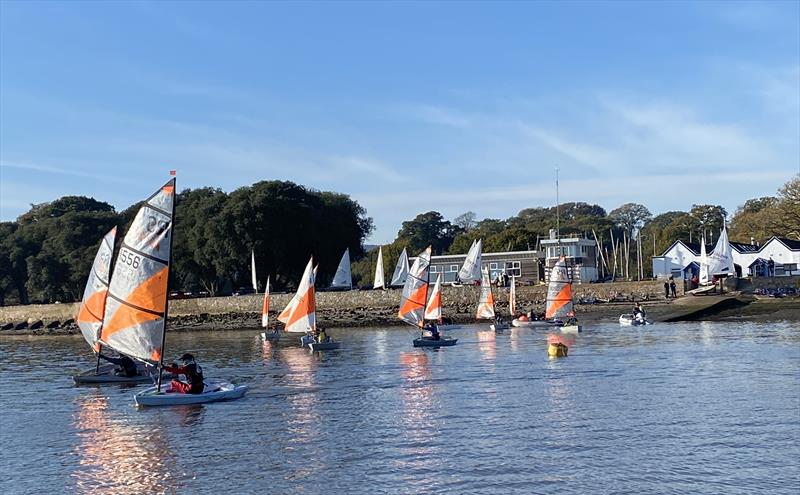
pixel 789 207
pixel 428 229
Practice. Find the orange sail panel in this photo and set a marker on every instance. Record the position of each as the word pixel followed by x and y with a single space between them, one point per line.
pixel 559 292
pixel 433 311
pixel 137 297
pixel 486 300
pixel 93 306
pixel 412 303
pixel 302 309
pixel 265 307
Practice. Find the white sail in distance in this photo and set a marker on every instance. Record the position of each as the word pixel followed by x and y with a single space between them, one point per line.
pixel 265 306
pixel 379 282
pixel 512 297
pixel 93 305
pixel 486 301
pixel 253 276
pixel 720 261
pixel 704 278
pixel 401 269
pixel 343 278
pixel 471 270
pixel 134 322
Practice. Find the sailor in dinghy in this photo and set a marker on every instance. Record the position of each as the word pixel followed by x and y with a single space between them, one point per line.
pixel 415 303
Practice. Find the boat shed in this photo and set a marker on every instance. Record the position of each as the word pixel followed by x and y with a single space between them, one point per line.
pixel 526 266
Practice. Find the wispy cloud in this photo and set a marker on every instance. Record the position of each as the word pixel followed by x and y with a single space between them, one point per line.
pixel 59 170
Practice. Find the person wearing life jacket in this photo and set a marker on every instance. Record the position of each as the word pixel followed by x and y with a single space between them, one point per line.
pixel 322 336
pixel 193 373
pixel 125 366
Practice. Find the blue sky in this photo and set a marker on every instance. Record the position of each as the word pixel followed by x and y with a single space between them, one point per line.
pixel 407 107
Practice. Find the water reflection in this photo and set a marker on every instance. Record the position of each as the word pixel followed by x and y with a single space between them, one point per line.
pixel 116 457
pixel 303 421
pixel 487 345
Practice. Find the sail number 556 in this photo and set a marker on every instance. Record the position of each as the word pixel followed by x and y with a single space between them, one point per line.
pixel 129 258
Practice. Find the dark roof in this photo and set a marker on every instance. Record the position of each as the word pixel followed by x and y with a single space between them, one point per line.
pixel 692 246
pixel 758 261
pixel 744 247
pixel 790 243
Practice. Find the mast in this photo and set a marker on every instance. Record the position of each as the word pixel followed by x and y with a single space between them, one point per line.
pixel 169 276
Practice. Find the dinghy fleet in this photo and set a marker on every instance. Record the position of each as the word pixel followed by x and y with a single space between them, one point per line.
pixel 126 310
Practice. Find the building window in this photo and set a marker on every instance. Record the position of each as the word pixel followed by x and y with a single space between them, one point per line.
pixel 492 266
pixel 434 269
pixel 453 268
pixel 513 268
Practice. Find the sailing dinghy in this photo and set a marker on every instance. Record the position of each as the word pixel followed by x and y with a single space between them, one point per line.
pixel 273 335
pixel 414 302
pixel 136 310
pixel 300 315
pixel 470 271
pixel 90 317
pixel 716 265
pixel 486 307
pixel 559 298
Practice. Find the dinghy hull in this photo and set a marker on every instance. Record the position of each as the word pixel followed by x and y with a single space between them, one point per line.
pixel 323 346
pixel 215 391
pixel 106 375
pixel 430 342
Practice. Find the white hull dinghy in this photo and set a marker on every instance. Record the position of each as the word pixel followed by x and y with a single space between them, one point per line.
pixel 571 328
pixel 431 342
pixel 628 320
pixel 517 323
pixel 559 299
pixel 214 391
pixel 106 374
pixel 323 346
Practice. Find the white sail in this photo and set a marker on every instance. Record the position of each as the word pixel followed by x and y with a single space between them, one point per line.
pixel 343 278
pixel 471 270
pixel 134 322
pixel 559 292
pixel 512 297
pixel 486 301
pixel 720 261
pixel 253 271
pixel 93 306
pixel 265 306
pixel 704 279
pixel 302 309
pixel 379 283
pixel 433 310
pixel 401 269
pixel 415 290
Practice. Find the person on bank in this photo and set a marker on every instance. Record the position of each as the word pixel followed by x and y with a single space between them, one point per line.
pixel 193 373
pixel 125 366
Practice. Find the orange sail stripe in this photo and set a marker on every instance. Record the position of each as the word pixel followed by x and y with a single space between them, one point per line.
pixel 168 189
pixel 151 295
pixel 564 297
pixel 305 306
pixel 92 310
pixel 156 354
pixel 415 302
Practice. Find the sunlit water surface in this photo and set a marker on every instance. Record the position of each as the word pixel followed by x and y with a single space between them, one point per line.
pixel 673 408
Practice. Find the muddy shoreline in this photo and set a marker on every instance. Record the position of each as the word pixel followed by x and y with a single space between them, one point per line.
pixel 731 308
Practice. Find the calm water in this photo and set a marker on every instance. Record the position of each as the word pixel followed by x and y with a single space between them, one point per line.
pixel 676 408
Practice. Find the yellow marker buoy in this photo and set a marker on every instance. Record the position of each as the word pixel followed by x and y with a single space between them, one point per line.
pixel 557 349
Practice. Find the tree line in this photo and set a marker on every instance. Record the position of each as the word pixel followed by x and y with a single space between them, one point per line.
pixel 46 254
pixel 628 235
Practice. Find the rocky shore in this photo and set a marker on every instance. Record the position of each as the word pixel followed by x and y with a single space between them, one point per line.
pixel 596 302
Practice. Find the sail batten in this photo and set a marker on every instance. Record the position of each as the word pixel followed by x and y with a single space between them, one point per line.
pixel 93 304
pixel 134 321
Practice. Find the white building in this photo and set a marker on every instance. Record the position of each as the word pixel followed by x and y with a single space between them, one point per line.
pixel 682 260
pixel 580 255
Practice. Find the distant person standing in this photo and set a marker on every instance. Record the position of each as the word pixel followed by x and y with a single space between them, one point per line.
pixel 770 267
pixel 666 290
pixel 673 288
